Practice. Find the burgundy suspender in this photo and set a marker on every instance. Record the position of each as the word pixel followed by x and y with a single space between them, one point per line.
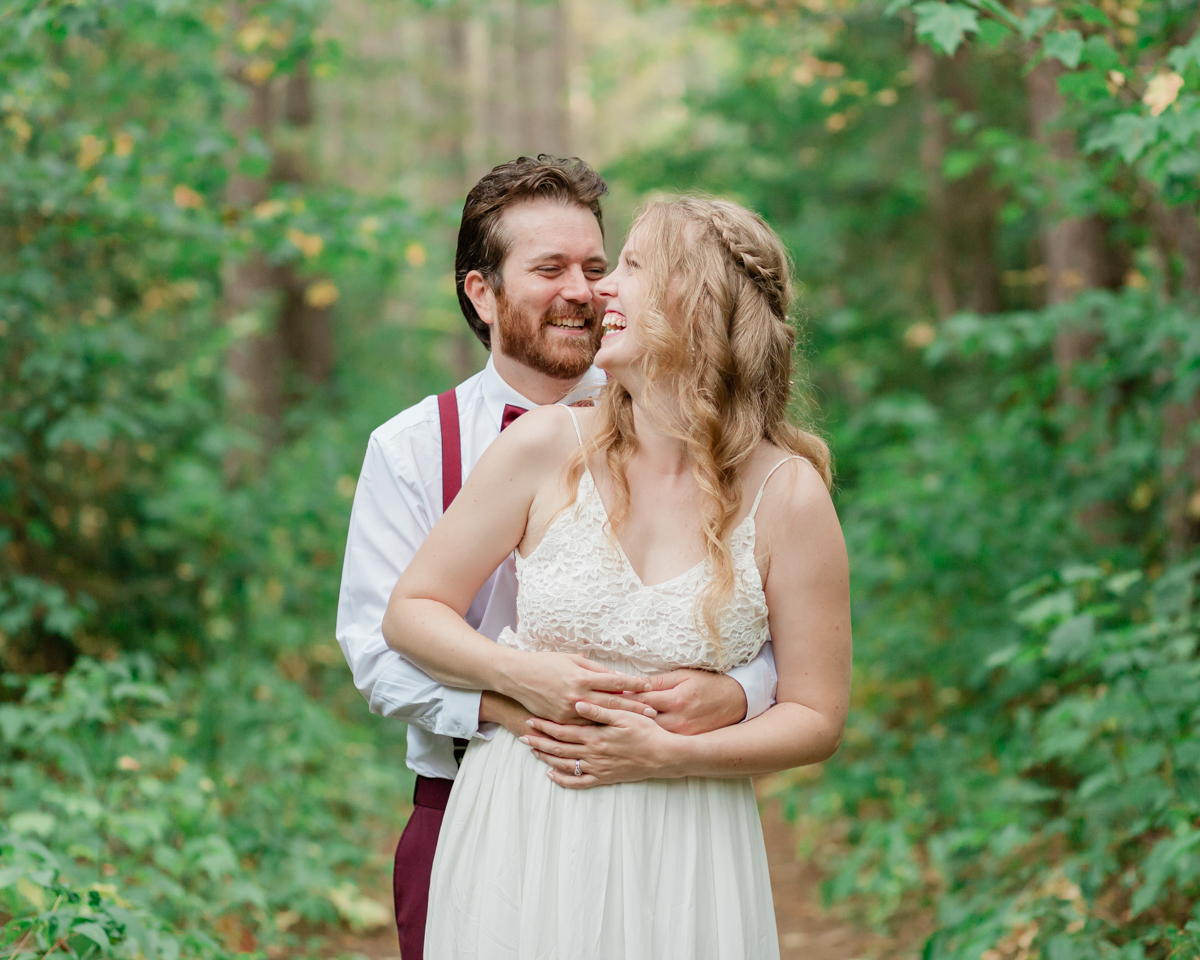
pixel 451 448
pixel 451 484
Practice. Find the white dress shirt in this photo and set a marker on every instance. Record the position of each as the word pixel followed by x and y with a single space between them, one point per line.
pixel 396 504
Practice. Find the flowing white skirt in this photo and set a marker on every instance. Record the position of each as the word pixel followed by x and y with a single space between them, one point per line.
pixel 658 870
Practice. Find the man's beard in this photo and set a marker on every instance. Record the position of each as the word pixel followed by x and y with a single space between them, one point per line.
pixel 527 340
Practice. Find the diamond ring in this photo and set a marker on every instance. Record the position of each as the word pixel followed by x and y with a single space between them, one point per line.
pixel 578 769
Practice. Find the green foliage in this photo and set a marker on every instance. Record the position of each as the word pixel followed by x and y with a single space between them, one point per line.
pixel 176 778
pixel 116 523
pixel 1027 759
pixel 224 805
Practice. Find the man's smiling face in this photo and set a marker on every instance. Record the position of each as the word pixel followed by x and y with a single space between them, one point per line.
pixel 547 314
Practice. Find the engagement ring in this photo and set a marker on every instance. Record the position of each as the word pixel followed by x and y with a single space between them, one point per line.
pixel 578 769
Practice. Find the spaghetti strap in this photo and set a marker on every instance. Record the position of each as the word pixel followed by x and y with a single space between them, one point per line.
pixel 575 421
pixel 758 499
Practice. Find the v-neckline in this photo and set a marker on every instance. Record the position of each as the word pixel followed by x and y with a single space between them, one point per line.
pixel 621 550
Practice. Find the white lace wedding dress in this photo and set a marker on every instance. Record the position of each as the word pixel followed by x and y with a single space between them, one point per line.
pixel 656 870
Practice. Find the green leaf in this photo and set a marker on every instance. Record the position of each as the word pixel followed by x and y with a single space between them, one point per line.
pixel 10 875
pixel 37 822
pixel 1128 134
pixel 998 10
pixel 1077 572
pixel 1121 582
pixel 1036 19
pixel 88 430
pixel 1100 54
pixel 1002 656
pixel 1089 14
pixel 1050 607
pixel 94 932
pixel 1064 45
pixel 993 33
pixel 1069 641
pixel 1183 57
pixel 945 24
pixel 959 163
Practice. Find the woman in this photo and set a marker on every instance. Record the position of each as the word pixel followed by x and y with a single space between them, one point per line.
pixel 674 525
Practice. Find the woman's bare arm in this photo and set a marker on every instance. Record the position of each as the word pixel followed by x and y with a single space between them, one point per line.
pixel 488 519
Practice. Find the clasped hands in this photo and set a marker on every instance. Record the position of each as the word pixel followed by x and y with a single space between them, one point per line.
pixel 566 708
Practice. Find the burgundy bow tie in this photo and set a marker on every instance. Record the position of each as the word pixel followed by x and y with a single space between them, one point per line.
pixel 511 412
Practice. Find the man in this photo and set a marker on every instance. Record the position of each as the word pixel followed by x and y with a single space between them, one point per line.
pixel 530 251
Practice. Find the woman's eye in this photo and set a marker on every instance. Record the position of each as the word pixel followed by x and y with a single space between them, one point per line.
pixel 633 264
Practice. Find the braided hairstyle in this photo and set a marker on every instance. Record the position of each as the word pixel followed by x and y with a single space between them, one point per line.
pixel 716 293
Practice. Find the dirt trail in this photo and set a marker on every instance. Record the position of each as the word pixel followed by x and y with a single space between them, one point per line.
pixel 806 932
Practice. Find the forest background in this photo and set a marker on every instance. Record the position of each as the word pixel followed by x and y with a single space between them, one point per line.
pixel 226 233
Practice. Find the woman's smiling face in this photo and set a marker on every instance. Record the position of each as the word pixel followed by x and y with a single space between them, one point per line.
pixel 619 347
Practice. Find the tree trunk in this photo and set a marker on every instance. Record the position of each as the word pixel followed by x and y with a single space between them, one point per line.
pixel 248 295
pixel 934 140
pixel 1181 476
pixel 305 330
pixel 273 322
pixel 962 270
pixel 1177 234
pixel 541 42
pixel 1073 247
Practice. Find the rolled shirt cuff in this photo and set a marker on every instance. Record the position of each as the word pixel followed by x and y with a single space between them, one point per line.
pixel 758 682
pixel 459 715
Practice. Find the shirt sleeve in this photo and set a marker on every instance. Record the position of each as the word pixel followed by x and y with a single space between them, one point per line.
pixel 389 521
pixel 759 680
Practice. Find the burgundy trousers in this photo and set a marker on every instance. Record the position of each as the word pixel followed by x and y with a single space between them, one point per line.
pixel 414 864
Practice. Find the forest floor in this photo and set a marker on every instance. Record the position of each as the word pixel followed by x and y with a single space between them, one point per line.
pixel 807 931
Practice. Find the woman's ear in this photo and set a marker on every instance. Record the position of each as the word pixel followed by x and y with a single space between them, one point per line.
pixel 481 295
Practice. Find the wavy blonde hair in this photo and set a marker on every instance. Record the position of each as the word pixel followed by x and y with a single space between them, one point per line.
pixel 716 293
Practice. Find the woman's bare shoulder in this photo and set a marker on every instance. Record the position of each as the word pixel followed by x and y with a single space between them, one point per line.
pixel 791 472
pixel 544 434
pixel 795 497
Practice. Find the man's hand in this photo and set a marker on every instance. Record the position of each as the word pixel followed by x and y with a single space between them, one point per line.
pixel 497 708
pixel 550 684
pixel 695 701
pixel 513 717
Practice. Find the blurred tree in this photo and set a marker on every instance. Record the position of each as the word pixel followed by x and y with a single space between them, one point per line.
pixel 122 239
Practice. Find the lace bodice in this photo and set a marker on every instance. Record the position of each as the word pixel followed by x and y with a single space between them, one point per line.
pixel 578 593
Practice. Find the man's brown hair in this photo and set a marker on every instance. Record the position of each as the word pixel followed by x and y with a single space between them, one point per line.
pixel 482 245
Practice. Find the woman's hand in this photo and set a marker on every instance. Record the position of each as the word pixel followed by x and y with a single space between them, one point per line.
pixel 551 684
pixel 620 747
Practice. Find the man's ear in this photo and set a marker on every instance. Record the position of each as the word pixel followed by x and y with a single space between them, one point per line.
pixel 482 297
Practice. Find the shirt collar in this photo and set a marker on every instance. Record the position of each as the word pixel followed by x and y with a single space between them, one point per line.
pixel 497 392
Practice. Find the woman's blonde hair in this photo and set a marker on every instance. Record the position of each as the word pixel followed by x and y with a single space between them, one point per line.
pixel 716 293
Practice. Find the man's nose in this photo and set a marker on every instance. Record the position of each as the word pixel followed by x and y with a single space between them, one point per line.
pixel 576 286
